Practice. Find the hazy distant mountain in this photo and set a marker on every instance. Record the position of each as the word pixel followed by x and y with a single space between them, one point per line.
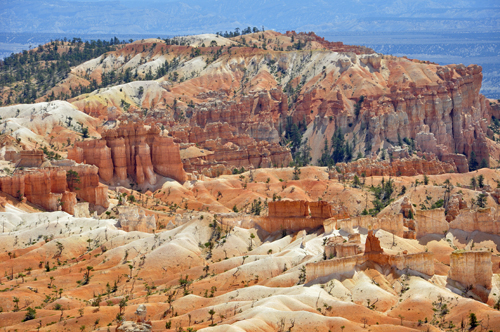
pixel 191 16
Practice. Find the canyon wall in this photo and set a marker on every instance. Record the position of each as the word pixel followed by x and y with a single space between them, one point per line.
pixel 471 268
pixel 320 209
pixel 253 155
pixel 240 133
pixel 452 111
pixel 88 188
pixel 439 107
pixel 422 262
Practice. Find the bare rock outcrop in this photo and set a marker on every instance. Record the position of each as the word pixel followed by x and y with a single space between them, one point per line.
pixel 50 189
pixel 131 218
pixel 471 268
pixel 338 247
pixel 284 209
pixel 398 167
pixel 455 204
pixel 334 46
pixel 482 220
pixel 140 325
pixel 28 158
pixel 296 215
pixel 393 224
pixel 430 222
pixel 372 244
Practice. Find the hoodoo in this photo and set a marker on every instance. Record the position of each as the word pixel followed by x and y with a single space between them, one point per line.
pixel 131 150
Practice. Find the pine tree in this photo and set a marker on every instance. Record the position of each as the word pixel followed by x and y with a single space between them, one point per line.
pixel 338 145
pixel 473 164
pixel 484 163
pixel 325 160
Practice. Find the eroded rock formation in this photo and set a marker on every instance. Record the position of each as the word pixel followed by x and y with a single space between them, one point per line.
pixel 455 204
pixel 398 167
pixel 242 133
pixel 131 218
pixel 338 247
pixel 295 215
pixel 285 209
pixel 393 224
pixel 131 150
pixel 346 266
pixel 430 222
pixel 28 158
pixel 372 244
pixel 49 187
pixel 471 268
pixel 483 220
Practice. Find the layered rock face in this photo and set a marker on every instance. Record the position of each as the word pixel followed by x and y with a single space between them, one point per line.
pixel 48 187
pixel 437 106
pixel 455 204
pixel 240 133
pixel 96 153
pixel 340 250
pixel 430 222
pixel 131 150
pixel 88 189
pixel 398 167
pixel 483 220
pixel 346 266
pixel 320 209
pixel 257 111
pixel 285 209
pixel 230 155
pixel 29 158
pixel 471 268
pixel 451 111
pixel 392 224
pixel 295 215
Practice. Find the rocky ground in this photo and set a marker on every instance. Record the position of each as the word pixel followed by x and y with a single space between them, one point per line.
pixel 85 273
